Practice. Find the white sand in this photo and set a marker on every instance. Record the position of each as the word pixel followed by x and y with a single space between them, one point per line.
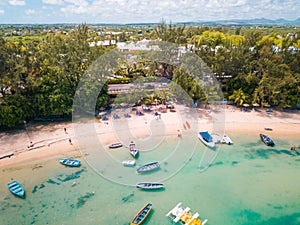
pixel 56 144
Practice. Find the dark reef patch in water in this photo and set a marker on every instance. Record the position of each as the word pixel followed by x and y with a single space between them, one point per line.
pixel 73 176
pixel 82 199
pixel 250 215
pixel 233 163
pixel 266 153
pixel 292 219
pixel 50 181
pixel 216 164
pixel 128 198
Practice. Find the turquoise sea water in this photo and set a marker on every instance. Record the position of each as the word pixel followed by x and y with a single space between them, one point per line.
pixel 248 183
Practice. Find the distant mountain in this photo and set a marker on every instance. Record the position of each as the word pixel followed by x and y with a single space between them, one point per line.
pixel 256 21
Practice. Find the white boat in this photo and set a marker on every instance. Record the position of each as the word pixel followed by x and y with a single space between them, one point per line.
pixel 207 139
pixel 150 185
pixel 133 149
pixel 227 140
pixel 128 163
pixel 184 216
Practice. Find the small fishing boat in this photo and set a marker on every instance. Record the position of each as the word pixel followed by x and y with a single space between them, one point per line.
pixel 116 145
pixel 141 215
pixel 133 149
pixel 227 140
pixel 128 163
pixel 207 139
pixel 266 140
pixel 70 162
pixel 148 167
pixel 184 216
pixel 150 185
pixel 16 188
pixel 268 128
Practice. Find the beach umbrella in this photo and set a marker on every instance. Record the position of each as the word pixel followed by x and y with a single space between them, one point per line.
pixel 266 105
pixel 246 105
pixel 102 113
pixel 255 104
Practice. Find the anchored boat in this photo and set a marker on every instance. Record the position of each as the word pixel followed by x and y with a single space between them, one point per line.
pixel 207 139
pixel 141 215
pixel 115 145
pixel 70 162
pixel 150 185
pixel 128 163
pixel 184 216
pixel 16 188
pixel 133 149
pixel 266 140
pixel 148 167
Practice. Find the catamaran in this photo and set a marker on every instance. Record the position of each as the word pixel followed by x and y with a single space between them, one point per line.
pixel 184 216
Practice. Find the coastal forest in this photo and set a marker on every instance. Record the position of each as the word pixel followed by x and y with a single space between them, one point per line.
pixel 41 66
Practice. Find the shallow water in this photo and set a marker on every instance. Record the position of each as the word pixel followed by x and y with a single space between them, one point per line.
pixel 248 183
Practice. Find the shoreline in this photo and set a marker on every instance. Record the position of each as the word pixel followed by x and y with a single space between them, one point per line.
pixel 52 141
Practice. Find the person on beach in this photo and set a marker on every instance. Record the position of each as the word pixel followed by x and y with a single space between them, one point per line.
pixel 70 141
pixel 178 133
pixel 65 129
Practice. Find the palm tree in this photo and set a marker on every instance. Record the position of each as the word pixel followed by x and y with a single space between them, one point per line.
pixel 239 97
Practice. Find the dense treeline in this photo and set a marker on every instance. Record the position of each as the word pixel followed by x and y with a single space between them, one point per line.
pixel 39 76
pixel 259 66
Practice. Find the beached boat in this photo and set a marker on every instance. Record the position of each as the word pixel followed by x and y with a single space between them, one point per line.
pixel 227 139
pixel 184 216
pixel 133 149
pixel 148 167
pixel 128 163
pixel 207 139
pixel 141 215
pixel 16 188
pixel 116 145
pixel 266 140
pixel 150 185
pixel 70 162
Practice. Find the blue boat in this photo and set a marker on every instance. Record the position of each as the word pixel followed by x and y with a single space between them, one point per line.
pixel 148 167
pixel 70 162
pixel 141 215
pixel 16 188
pixel 266 140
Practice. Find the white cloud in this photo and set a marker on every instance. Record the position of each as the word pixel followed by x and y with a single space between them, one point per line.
pixel 135 11
pixel 2 11
pixel 53 2
pixel 29 12
pixel 17 2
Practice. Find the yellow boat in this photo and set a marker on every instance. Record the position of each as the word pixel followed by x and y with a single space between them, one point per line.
pixel 141 215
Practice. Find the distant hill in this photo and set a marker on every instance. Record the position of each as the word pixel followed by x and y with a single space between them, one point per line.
pixel 241 22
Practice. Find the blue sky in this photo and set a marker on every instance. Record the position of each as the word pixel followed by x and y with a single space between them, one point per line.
pixel 140 11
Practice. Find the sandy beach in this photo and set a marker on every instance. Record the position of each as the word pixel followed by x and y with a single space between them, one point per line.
pixel 51 141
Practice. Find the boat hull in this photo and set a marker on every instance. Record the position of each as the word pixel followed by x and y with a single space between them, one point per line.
pixel 148 167
pixel 116 145
pixel 266 140
pixel 210 144
pixel 70 162
pixel 150 185
pixel 141 215
pixel 16 189
pixel 134 152
pixel 129 163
